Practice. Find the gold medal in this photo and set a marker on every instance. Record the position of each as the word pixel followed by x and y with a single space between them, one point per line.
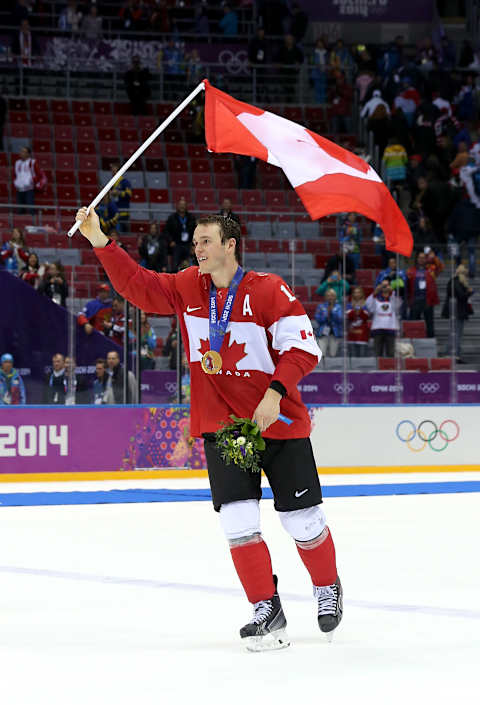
pixel 211 362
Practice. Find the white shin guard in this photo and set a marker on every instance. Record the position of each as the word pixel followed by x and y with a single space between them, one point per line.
pixel 240 521
pixel 304 524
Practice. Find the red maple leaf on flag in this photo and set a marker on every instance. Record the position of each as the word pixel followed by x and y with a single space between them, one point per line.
pixel 231 354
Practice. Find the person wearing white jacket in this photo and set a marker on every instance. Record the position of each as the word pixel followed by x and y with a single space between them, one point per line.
pixel 384 305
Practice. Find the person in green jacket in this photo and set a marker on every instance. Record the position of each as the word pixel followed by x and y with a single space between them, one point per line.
pixel 336 283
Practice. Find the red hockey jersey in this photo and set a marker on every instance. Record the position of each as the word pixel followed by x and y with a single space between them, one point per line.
pixel 269 337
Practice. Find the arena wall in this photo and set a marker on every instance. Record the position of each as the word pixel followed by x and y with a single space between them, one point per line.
pixel 52 443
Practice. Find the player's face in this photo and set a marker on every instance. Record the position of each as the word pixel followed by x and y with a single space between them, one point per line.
pixel 212 254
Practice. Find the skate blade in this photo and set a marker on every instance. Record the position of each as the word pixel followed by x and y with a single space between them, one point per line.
pixel 329 636
pixel 274 640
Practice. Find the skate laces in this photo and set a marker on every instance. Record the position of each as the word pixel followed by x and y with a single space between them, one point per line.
pixel 326 596
pixel 261 611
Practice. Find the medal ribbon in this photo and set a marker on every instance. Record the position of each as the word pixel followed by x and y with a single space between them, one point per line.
pixel 218 326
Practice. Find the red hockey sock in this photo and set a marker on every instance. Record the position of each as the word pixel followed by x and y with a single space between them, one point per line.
pixel 254 568
pixel 318 556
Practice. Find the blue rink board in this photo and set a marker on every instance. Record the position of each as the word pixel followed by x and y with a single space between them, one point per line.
pixel 29 499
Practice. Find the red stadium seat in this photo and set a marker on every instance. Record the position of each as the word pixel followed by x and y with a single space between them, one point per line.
pixel 386 363
pixel 223 166
pixel 38 105
pixel 60 106
pixel 81 107
pixel 65 177
pixel 302 292
pixel 18 116
pixel 310 308
pixel 269 245
pixel 105 122
pixel 147 122
pixel 275 199
pixel 45 160
pixel 206 197
pixel 88 193
pixel 86 147
pixel 197 151
pixel 273 181
pixel 179 180
pixel 200 166
pixel 173 135
pixel 154 164
pixel 102 107
pixel 440 363
pixel 40 146
pixel 67 194
pixel 85 133
pixel 128 134
pixel 232 193
pixel 140 227
pixel 40 118
pixel 414 329
pixel 174 150
pixel 127 149
pixel 321 261
pixel 109 149
pixel 107 134
pixel 37 240
pixel 201 181
pixel 89 257
pixel 127 122
pixel 186 193
pixel 87 178
pixel 364 277
pixel 43 132
pixel 46 197
pixel 159 195
pixel 225 180
pixel 64 147
pixel 178 165
pixel 163 110
pixel 65 161
pixel 89 161
pixel 82 120
pixel 16 104
pixel 82 290
pixel 294 112
pixel 63 132
pixel 139 195
pixel 62 119
pixel 252 197
pixel 154 150
pixel 4 192
pixel 371 261
pixel 418 364
pixel 20 129
pixel 250 245
pixel 122 108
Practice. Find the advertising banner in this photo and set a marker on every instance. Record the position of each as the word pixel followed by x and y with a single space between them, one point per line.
pixel 369 10
pixel 118 439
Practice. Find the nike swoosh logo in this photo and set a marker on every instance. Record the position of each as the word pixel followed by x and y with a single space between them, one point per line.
pixel 195 308
pixel 299 494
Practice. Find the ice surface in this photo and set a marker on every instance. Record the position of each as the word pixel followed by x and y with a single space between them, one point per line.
pixel 139 604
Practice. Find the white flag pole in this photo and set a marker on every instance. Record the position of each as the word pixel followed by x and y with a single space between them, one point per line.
pixel 139 151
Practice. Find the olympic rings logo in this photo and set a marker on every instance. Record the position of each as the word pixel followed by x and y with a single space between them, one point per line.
pixel 339 388
pixel 235 63
pixel 427 433
pixel 429 388
pixel 171 387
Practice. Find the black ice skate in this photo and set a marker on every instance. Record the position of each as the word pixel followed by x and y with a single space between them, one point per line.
pixel 330 606
pixel 266 630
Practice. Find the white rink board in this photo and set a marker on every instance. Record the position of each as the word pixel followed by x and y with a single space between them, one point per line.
pixel 368 436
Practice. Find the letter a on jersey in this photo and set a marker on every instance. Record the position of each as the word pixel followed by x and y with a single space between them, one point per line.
pixel 247 311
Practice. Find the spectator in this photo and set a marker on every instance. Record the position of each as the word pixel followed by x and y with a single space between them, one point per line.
pixel 341 104
pixel 457 302
pixel 319 71
pixel 114 386
pixel 137 85
pixel 12 389
pixel 99 386
pixel 55 383
pixel 350 238
pixel 121 194
pixel 170 346
pixel 92 25
pixel 433 263
pixel 358 330
pixel 202 23
pixel 148 343
pixel 394 162
pixel 424 131
pixel 27 176
pixel 247 170
pixel 335 265
pixel 132 15
pixel 436 202
pixel 70 17
pixel 76 387
pixel 383 305
pixel 113 235
pixel 107 212
pixel 179 232
pixel 340 58
pixel 290 58
pixel 298 22
pixel 114 323
pixel 408 100
pixel 226 210
pixel 335 282
pixel 397 279
pixel 96 311
pixel 463 227
pixel 14 254
pixel 153 249
pixel 24 45
pixel 258 57
pixel 195 68
pixel 229 22
pixel 54 285
pixel 33 271
pixel 422 293
pixel 173 64
pixel 329 318
pixel 371 106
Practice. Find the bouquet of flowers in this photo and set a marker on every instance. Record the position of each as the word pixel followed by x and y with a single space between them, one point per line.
pixel 240 442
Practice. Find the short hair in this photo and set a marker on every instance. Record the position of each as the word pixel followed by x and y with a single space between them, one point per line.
pixel 229 230
pixel 100 361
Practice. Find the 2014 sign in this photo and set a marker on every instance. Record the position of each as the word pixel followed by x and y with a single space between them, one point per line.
pixel 29 441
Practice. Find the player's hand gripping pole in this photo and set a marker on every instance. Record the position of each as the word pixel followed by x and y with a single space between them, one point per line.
pixel 139 151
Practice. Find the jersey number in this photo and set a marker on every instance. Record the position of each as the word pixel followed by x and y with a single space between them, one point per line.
pixel 289 296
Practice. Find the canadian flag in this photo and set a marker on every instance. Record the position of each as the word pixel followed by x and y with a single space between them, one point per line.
pixel 327 178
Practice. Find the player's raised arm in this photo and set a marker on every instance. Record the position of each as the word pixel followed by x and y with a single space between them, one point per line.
pixel 146 289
